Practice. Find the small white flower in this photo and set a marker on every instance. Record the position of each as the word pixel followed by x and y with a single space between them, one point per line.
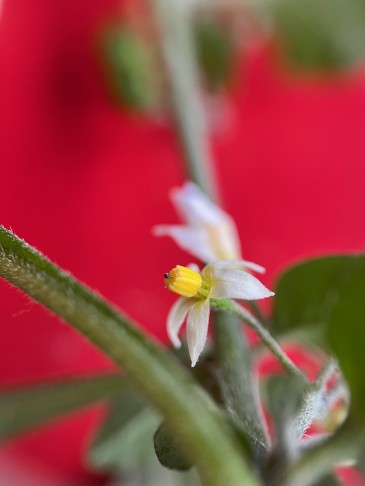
pixel 218 280
pixel 209 233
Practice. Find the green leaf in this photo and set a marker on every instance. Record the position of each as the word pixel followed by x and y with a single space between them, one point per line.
pixel 346 335
pixel 215 49
pixel 329 480
pixel 307 293
pixel 327 35
pixel 125 439
pixel 130 69
pixel 169 451
pixel 29 406
pixel 188 410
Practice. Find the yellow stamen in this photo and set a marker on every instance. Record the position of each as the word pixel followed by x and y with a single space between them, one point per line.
pixel 185 282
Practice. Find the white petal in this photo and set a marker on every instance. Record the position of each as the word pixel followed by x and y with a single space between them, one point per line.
pixel 196 209
pixel 197 329
pixel 235 284
pixel 191 239
pixel 176 318
pixel 194 206
pixel 193 266
pixel 238 264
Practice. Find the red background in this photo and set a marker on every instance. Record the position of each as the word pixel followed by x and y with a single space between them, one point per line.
pixel 85 183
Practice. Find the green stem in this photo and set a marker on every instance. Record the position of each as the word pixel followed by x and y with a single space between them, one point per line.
pixel 257 312
pixel 189 412
pixel 179 53
pixel 263 333
pixel 237 382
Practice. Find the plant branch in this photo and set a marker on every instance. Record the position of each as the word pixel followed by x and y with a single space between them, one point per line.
pixel 237 382
pixel 263 333
pixel 189 412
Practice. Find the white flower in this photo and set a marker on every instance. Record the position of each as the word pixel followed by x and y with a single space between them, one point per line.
pixel 218 280
pixel 209 233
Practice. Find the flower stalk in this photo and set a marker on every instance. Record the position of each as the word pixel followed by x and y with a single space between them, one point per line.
pixel 237 382
pixel 263 333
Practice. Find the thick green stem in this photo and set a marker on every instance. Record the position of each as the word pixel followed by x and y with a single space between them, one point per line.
pixel 189 412
pixel 263 333
pixel 237 381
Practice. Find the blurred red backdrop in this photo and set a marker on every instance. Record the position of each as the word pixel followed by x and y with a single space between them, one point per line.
pixel 85 183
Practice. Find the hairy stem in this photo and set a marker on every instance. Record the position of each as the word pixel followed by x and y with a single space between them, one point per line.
pixel 237 382
pixel 189 412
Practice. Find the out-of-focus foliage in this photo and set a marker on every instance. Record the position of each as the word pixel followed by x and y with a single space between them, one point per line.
pixel 313 35
pixel 125 439
pixel 131 69
pixel 346 335
pixel 28 406
pixel 326 296
pixel 307 293
pixel 323 35
pixel 216 50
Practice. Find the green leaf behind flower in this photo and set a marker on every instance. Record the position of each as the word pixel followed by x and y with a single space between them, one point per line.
pixel 324 35
pixel 125 440
pixel 307 292
pixel 31 405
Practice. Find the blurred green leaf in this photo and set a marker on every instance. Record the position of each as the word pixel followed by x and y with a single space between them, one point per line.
pixel 26 407
pixel 215 49
pixel 125 440
pixel 307 293
pixel 321 34
pixel 130 69
pixel 329 480
pixel 156 475
pixel 346 335
pixel 168 451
